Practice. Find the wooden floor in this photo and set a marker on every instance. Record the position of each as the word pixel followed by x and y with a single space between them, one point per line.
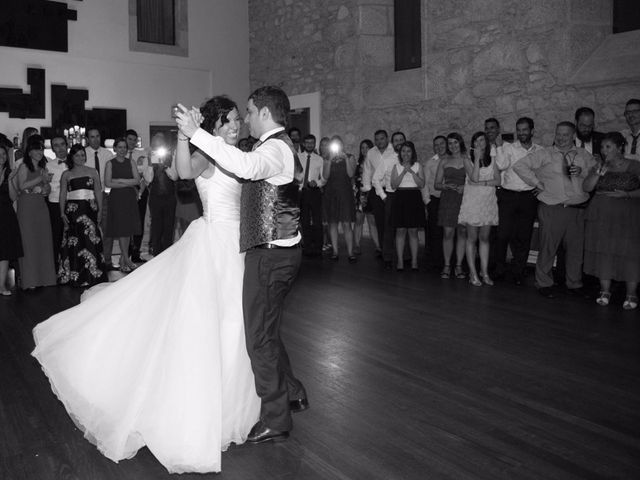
pixel 409 377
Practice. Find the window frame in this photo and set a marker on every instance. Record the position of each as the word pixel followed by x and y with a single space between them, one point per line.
pixel 181 31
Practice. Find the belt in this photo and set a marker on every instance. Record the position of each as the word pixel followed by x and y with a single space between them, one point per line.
pixel 270 246
pixel 578 205
pixel 515 191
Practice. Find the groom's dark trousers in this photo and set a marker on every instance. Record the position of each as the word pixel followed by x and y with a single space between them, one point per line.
pixel 269 274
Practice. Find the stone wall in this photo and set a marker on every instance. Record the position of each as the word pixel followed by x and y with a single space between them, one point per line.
pixel 481 58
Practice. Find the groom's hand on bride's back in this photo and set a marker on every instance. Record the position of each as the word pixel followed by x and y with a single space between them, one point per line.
pixel 188 121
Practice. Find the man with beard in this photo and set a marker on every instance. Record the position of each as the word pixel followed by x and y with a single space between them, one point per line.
pixel 517 203
pixel 586 137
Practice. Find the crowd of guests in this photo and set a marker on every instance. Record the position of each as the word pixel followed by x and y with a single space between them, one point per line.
pixel 475 204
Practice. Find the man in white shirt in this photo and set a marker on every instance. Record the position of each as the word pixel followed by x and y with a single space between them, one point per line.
pixel 269 233
pixel 435 257
pixel 56 167
pixel 632 134
pixel 517 203
pixel 311 197
pixel 381 181
pixel 375 156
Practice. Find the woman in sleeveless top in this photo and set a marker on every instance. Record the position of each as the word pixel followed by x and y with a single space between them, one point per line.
pixel 450 179
pixel 81 257
pixel 612 234
pixel 407 215
pixel 479 208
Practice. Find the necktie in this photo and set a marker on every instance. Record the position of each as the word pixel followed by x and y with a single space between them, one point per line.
pixel 60 161
pixel 581 143
pixel 305 183
pixel 97 162
pixel 634 144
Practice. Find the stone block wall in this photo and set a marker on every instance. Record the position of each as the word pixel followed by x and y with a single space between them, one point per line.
pixel 481 58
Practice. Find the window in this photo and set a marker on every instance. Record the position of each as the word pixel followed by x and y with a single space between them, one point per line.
pixel 407 22
pixel 159 26
pixel 626 16
pixel 156 21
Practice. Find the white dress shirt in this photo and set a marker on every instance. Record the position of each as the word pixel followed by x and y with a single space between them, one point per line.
pixel 56 168
pixel 272 162
pixel 507 155
pixel 104 155
pixel 381 179
pixel 373 160
pixel 316 165
pixel 628 136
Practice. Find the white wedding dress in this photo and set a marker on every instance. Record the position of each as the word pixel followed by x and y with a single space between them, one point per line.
pixel 158 358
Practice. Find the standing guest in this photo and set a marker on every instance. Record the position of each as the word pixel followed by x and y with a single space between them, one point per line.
pixel 295 135
pixel 613 221
pixel 55 168
pixel 338 201
pixel 494 134
pixel 363 209
pixel 479 208
pixel 586 137
pixel 10 241
pixel 81 258
pixel 517 204
pixel 323 150
pixel 161 178
pixel 188 204
pixel 20 152
pixel 141 159
pixel 632 134
pixel 450 179
pixel 311 197
pixel 407 179
pixel 122 177
pixel 383 152
pixel 36 266
pixel 557 173
pixel 382 183
pixel 433 236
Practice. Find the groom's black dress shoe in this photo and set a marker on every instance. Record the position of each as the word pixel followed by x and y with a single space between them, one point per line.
pixel 298 405
pixel 260 433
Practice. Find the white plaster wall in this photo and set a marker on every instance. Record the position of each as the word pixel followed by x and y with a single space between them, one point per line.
pixel 145 84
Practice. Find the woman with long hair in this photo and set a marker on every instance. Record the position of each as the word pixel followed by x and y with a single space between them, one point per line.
pixel 363 209
pixel 479 208
pixel 10 240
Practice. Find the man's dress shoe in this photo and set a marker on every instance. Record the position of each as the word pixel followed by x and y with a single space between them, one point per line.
pixel 298 405
pixel 260 433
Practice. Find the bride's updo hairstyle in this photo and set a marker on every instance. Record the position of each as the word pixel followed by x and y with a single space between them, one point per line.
pixel 216 108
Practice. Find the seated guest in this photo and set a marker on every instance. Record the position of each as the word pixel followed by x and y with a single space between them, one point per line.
pixel 632 134
pixel 557 173
pixel 613 221
pixel 433 234
pixel 55 168
pixel 36 266
pixel 339 206
pixel 81 257
pixel 122 177
pixel 586 137
pixel 311 197
pixel 407 179
pixel 10 241
pixel 363 208
pixel 161 178
pixel 450 179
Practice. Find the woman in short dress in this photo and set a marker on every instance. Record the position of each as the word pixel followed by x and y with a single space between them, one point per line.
pixel 450 179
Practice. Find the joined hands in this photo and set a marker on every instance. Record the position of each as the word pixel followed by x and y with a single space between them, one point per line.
pixel 188 121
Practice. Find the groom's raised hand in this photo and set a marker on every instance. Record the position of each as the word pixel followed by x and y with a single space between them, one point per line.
pixel 188 121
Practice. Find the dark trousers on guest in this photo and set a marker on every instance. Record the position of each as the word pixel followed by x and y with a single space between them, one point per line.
pixel 163 217
pixel 389 236
pixel 136 245
pixel 433 235
pixel 377 209
pixel 560 225
pixel 57 229
pixel 311 219
pixel 268 277
pixel 517 213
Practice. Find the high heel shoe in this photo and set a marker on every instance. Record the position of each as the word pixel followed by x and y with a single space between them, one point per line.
pixel 459 272
pixel 446 272
pixel 474 280
pixel 603 298
pixel 487 280
pixel 630 303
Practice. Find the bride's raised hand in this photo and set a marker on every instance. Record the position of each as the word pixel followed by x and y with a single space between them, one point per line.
pixel 186 121
pixel 197 116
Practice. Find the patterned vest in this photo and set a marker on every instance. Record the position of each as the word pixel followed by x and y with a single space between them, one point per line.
pixel 270 212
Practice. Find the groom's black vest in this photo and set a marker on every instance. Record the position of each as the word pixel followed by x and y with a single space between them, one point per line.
pixel 270 212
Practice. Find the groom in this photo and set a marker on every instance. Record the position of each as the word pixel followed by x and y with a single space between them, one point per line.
pixel 270 236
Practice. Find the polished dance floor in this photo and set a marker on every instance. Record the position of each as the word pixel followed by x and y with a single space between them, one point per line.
pixel 409 377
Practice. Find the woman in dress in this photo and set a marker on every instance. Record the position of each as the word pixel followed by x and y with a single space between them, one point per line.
pixel 10 241
pixel 479 208
pixel 122 177
pixel 363 210
pixel 32 179
pixel 450 179
pixel 407 215
pixel 337 200
pixel 158 358
pixel 612 235
pixel 81 258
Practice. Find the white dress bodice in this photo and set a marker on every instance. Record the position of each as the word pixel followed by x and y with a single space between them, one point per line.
pixel 220 196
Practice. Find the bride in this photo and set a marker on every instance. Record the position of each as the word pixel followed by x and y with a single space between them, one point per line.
pixel 158 358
